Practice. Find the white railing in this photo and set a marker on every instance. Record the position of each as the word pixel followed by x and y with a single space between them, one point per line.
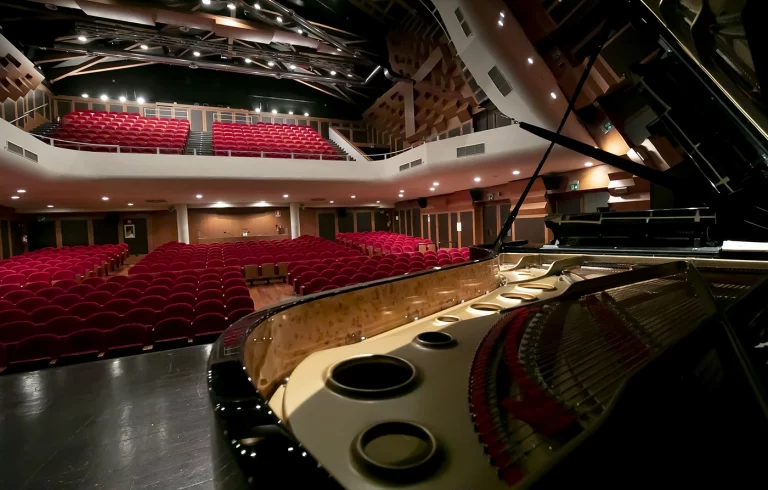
pixel 166 113
pixel 25 114
pixel 236 118
pixel 281 154
pixel 81 146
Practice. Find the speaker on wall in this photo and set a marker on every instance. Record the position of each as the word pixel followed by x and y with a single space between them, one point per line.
pixel 551 182
pixel 476 194
pixel 342 212
pixel 422 201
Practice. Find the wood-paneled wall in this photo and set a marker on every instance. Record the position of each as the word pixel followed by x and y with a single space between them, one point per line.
pixel 213 223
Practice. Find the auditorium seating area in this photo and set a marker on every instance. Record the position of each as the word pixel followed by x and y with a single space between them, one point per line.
pixel 323 275
pixel 384 242
pixel 67 320
pixel 271 141
pixel 130 132
pixel 37 269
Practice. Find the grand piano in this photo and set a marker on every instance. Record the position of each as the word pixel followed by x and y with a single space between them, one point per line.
pixel 629 352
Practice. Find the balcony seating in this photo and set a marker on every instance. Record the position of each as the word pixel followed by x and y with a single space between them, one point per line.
pixel 271 141
pixel 131 132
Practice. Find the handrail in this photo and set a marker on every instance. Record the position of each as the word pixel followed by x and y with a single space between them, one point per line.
pixel 52 142
pixel 25 114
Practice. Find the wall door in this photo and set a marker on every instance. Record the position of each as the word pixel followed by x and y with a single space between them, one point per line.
pixel 467 228
pixel 380 220
pixel 139 244
pixel 326 224
pixel 433 229
pixel 416 223
pixel 6 239
pixel 425 226
pixel 346 222
pixel 454 233
pixel 443 234
pixel 41 234
pixel 489 224
pixel 408 229
pixel 105 232
pixel 504 211
pixel 363 221
pixel 74 232
pixel 17 246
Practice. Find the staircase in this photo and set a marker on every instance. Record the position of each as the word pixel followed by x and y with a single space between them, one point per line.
pixel 44 129
pixel 199 142
pixel 338 149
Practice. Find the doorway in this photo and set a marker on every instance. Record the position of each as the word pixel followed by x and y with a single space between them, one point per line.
pixel 326 224
pixel 489 223
pixel 139 244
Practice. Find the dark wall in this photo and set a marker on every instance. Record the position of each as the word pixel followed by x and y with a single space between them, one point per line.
pixel 6 239
pixel 41 234
pixel 346 222
pixel 364 221
pixel 74 232
pixel 380 220
pixel 105 232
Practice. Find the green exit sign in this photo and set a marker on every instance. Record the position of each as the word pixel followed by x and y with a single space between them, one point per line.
pixel 607 127
pixel 574 186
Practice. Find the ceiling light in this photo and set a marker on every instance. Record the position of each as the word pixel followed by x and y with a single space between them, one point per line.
pixel 501 14
pixel 292 67
pixel 271 63
pixel 331 202
pixel 279 19
pixel 248 61
pixel 477 179
pixel 257 6
pixel 140 100
pixel 196 53
pixel 285 196
pixel 258 109
pixel 263 202
pixel 299 31
pixel 530 61
pixel 401 191
pixel 588 164
pixel 130 204
pixel 333 73
pixel 306 114
pixel 206 2
pixel 199 196
pixel 399 195
pixel 231 6
pixel 14 197
pixel 338 49
pixel 104 97
pixel 21 191
pixel 274 111
pixel 85 96
pixel 378 202
pixel 435 184
pixel 82 39
pixel 553 95
pixel 290 113
pixel 105 198
pixel 352 197
pixel 349 75
pixel 122 98
pixel 501 22
pixel 144 46
pixel 432 189
pixel 50 205
pixel 515 172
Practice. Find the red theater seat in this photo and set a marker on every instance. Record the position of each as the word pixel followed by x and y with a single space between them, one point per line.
pixel 13 332
pixel 127 337
pixel 238 314
pixel 104 320
pixel 141 316
pixel 83 344
pixel 46 313
pixel 61 326
pixel 176 330
pixel 179 310
pixel 38 349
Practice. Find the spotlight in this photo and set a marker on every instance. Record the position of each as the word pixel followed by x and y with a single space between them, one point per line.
pixel 285 196
pixel 349 75
pixel 338 49
pixel 501 22
pixel 271 63
pixel 477 179
pixel 399 195
pixel 553 95
pixel 257 6
pixel 274 111
pixel 588 164
pixel 21 191
pixel 206 2
pixel 530 61
pixel 140 100
pixel 144 46
pixel 248 61
pixel 130 204
pixel 82 39
pixel 122 98
pixel 290 113
pixel 306 114
pixel 195 53
pixel 353 197
pixel 292 67
pixel 300 31
pixel 432 189
pixel 331 202
pixel 104 97
pixel 199 196
pixel 85 96
pixel 50 205
pixel 15 197
pixel 333 73
pixel 279 19
pixel 258 109
pixel 515 172
pixel 435 184
pixel 231 6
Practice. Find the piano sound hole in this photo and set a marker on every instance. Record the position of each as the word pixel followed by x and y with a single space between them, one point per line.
pixel 520 296
pixel 400 451
pixel 448 319
pixel 373 376
pixel 435 340
pixel 538 285
pixel 486 307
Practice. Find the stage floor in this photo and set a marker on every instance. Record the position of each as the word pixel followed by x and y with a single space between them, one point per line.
pixel 139 422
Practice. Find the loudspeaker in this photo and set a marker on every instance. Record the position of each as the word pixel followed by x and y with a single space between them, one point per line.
pixel 112 217
pixel 342 212
pixel 551 182
pixel 422 202
pixel 476 194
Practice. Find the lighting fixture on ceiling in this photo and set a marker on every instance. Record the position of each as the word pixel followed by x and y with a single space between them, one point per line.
pixel 271 63
pixel 515 172
pixel 292 67
pixel 82 39
pixel 50 205
pixel 274 111
pixel 530 61
pixel 501 14
pixel 432 189
pixel 352 197
pixel 144 46
pixel 290 113
pixel 199 196
pixel 306 114
pixel 206 2
pixel 402 191
pixel 195 53
pixel 349 75
pixel 21 191
pixel 333 73
pixel 14 197
pixel 378 202
pixel 104 97
pixel 285 196
pixel 588 164
pixel 263 202
pixel 258 109
pixel 279 19
pixel 300 31
pixel 231 6
pixel 105 198
pixel 553 95
pixel 130 204
pixel 435 184
pixel 338 49
pixel 85 96
pixel 477 179
pixel 331 202
pixel 257 6
pixel 399 195
pixel 248 61
pixel 122 98
pixel 501 22
pixel 140 100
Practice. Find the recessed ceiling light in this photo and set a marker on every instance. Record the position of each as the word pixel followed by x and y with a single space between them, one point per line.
pixel 279 19
pixel 195 53
pixel 292 67
pixel 588 164
pixel 130 204
pixel 338 49
pixel 140 100
pixel 333 73
pixel 435 184
pixel 274 111
pixel 402 191
pixel 206 2
pixel 349 75
pixel 399 195
pixel 122 98
pixel 82 39
pixel 378 202
pixel 477 179
pixel 352 197
pixel 85 96
pixel 306 114
pixel 21 191
pixel 248 61
pixel 530 61
pixel 144 46
pixel 271 63
pixel 501 14
pixel 257 6
pixel 105 198
pixel 50 205
pixel 299 31
pixel 515 172
pixel 432 189
pixel 331 202
pixel 553 95
pixel 199 196
pixel 290 113
pixel 104 97
pixel 14 197
pixel 258 109
pixel 231 6
pixel 285 195
pixel 501 22
pixel 263 202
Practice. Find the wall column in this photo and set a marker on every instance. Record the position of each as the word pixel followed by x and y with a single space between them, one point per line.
pixel 295 220
pixel 182 223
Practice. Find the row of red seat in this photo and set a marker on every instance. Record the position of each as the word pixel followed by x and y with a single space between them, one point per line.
pixel 268 140
pixel 66 263
pixel 383 242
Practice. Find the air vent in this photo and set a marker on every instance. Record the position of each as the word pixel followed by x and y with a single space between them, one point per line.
pixel 14 148
pixel 156 201
pixel 416 163
pixel 501 83
pixel 32 156
pixel 463 22
pixel 405 167
pixel 318 199
pixel 467 151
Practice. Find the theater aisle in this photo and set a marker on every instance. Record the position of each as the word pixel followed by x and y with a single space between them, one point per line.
pixel 137 422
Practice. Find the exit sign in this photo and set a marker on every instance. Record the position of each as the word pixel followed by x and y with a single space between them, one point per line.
pixel 574 186
pixel 490 196
pixel 607 127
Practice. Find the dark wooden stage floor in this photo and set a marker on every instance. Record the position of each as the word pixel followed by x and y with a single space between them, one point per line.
pixel 139 422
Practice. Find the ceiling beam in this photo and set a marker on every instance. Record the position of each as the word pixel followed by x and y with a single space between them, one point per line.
pixel 55 58
pixel 115 65
pixel 64 73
